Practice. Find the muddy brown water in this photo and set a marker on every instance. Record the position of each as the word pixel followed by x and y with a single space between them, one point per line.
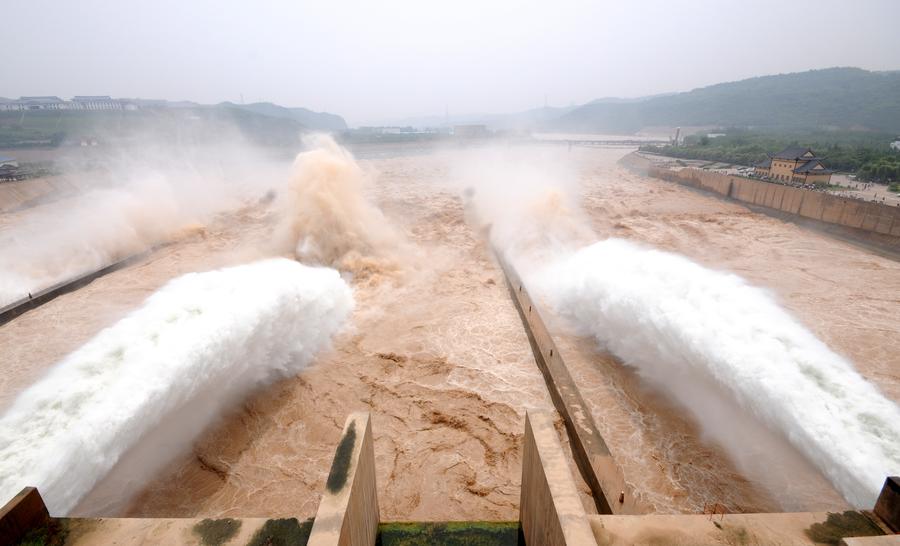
pixel 437 353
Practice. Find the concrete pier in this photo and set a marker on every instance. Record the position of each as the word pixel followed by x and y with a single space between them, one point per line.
pixel 22 513
pixel 887 507
pixel 550 510
pixel 348 512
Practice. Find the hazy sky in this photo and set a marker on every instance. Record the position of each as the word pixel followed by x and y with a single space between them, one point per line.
pixel 379 60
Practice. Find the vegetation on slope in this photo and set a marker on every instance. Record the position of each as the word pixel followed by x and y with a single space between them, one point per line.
pixel 319 121
pixel 261 123
pixel 867 154
pixel 834 98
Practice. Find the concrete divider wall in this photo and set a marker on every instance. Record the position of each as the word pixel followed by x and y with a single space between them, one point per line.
pixel 874 217
pixel 348 512
pixel 550 509
pixel 22 513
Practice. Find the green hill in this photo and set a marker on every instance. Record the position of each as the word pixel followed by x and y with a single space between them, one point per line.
pixel 262 123
pixel 42 128
pixel 833 98
pixel 319 121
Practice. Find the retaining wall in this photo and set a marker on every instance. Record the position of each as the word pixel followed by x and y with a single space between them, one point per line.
pixel 24 193
pixel 831 209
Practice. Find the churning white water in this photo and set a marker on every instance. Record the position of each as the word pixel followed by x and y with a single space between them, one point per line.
pixel 199 344
pixel 700 334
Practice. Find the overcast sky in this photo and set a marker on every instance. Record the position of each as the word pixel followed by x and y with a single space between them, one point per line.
pixel 372 61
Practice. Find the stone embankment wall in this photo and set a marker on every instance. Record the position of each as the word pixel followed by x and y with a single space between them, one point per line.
pixel 26 193
pixel 831 209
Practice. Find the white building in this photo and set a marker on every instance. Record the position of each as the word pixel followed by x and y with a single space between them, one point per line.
pixel 95 102
pixel 92 103
pixel 34 103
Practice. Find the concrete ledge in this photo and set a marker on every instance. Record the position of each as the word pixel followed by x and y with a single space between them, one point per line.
pixel 21 514
pixel 550 509
pixel 32 301
pixel 348 512
pixel 887 507
pixel 892 540
pixel 801 529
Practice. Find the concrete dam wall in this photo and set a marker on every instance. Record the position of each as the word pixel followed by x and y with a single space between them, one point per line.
pixel 831 209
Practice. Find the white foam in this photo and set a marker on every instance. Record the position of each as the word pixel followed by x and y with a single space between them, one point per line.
pixel 198 345
pixel 703 335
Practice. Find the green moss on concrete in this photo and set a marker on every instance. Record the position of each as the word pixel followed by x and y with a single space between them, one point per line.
pixel 52 534
pixel 337 478
pixel 215 532
pixel 282 532
pixel 477 533
pixel 738 536
pixel 842 525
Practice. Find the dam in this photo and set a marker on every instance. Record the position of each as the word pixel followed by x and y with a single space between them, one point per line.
pixel 477 405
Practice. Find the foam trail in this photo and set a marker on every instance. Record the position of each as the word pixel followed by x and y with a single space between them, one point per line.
pixel 199 344
pixel 689 329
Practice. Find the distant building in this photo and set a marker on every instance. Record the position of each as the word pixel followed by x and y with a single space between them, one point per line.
pixel 34 103
pixel 763 167
pixel 98 102
pixel 95 102
pixel 795 164
pixel 470 131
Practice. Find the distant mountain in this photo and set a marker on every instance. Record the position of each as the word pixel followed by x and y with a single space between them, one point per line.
pixel 620 100
pixel 262 123
pixel 527 119
pixel 320 121
pixel 840 98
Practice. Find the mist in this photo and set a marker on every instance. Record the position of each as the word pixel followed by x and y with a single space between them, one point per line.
pixel 328 214
pixel 133 196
